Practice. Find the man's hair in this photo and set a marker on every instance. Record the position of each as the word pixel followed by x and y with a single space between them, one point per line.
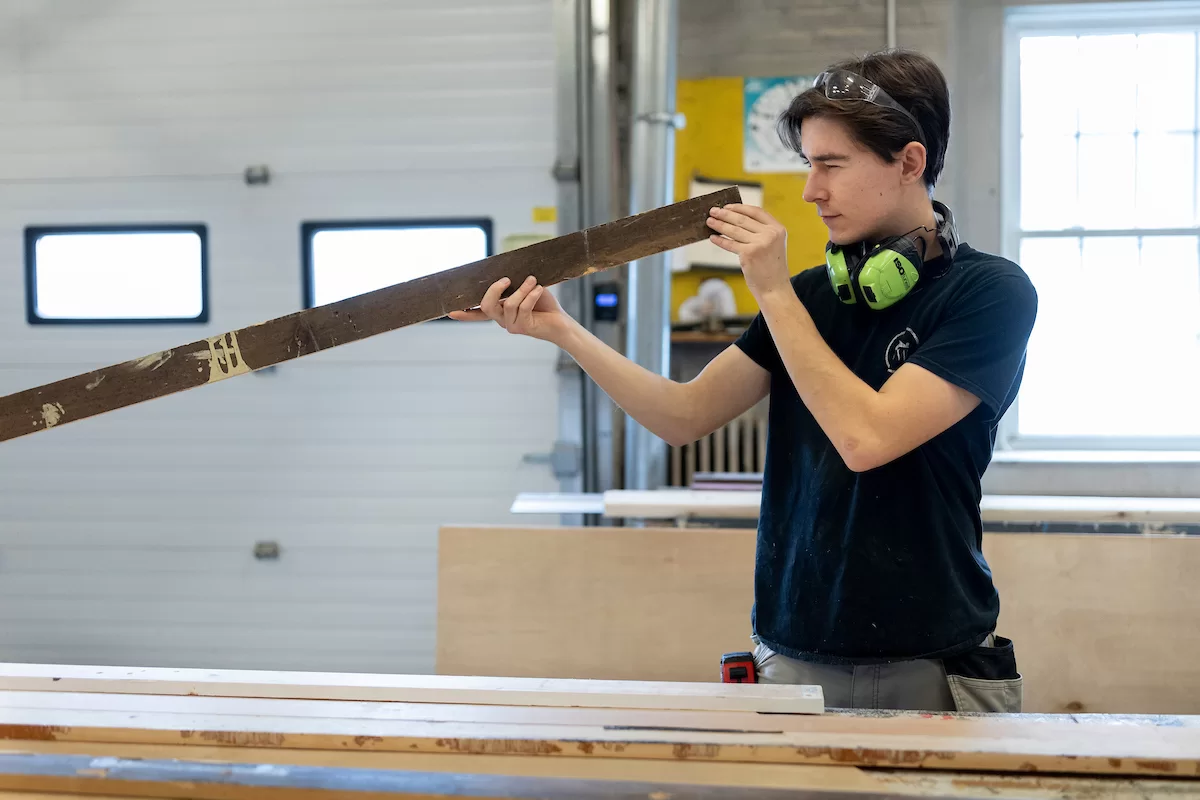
pixel 913 80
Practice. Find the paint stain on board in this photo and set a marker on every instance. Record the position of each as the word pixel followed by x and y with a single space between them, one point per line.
pixel 33 733
pixel 52 413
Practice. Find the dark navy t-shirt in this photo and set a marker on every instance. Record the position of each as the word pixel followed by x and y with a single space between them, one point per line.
pixel 887 564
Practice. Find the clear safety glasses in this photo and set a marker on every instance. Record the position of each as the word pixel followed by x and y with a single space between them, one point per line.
pixel 841 84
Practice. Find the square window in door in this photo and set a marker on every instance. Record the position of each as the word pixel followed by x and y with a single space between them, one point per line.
pixel 345 259
pixel 116 274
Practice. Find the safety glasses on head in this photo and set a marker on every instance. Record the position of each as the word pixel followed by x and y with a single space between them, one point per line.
pixel 842 84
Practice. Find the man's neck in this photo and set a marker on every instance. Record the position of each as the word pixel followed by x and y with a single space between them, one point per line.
pixel 920 223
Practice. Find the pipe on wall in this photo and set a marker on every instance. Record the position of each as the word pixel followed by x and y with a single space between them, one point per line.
pixel 651 164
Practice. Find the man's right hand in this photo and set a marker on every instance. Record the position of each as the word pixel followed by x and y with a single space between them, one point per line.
pixel 531 310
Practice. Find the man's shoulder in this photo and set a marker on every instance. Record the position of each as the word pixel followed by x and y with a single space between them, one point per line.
pixel 977 265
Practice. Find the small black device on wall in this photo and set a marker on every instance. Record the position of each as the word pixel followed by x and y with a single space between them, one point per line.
pixel 606 302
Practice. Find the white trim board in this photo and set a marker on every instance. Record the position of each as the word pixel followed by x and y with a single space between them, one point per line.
pixel 738 504
pixel 557 692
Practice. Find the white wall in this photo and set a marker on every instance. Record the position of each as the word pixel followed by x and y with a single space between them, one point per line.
pixel 128 538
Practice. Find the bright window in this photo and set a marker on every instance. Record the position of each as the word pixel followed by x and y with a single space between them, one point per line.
pixel 1102 115
pixel 116 274
pixel 343 259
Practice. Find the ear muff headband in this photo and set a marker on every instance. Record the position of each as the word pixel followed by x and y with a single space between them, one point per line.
pixel 887 272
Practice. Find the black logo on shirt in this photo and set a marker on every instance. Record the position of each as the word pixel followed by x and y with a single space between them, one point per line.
pixel 899 349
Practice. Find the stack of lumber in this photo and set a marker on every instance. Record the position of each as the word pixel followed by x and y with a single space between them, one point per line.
pixel 228 735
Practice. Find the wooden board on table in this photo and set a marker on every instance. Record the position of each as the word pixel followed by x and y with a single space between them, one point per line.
pixel 519 691
pixel 723 500
pixel 196 780
pixel 1127 746
pixel 1101 623
pixel 799 778
pixel 305 332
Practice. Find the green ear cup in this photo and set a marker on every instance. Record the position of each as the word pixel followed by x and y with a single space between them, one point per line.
pixel 887 275
pixel 839 273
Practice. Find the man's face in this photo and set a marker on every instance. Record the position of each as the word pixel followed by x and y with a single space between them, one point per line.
pixel 856 193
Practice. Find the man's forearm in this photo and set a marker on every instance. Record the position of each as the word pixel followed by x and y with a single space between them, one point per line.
pixel 843 405
pixel 658 403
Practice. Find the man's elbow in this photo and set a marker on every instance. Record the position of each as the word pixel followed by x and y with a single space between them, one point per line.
pixel 863 455
pixel 681 434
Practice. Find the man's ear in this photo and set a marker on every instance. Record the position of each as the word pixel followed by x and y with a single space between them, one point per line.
pixel 912 162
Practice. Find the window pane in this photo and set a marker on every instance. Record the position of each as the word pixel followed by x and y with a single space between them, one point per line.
pixel 1106 181
pixel 1048 182
pixel 347 261
pixel 1049 98
pixel 1168 305
pixel 117 275
pixel 1051 371
pixel 1165 179
pixel 1108 85
pixel 1166 76
pixel 1115 349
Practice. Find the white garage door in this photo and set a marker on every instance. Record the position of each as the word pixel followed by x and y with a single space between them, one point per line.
pixel 129 538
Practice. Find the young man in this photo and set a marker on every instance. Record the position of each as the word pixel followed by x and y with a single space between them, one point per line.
pixel 888 372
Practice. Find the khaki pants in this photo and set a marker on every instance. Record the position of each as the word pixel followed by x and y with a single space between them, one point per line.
pixel 983 680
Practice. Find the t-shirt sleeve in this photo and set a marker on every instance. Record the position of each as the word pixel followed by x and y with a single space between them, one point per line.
pixel 757 343
pixel 981 345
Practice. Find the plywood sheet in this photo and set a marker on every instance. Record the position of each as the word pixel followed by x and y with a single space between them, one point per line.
pixel 1102 623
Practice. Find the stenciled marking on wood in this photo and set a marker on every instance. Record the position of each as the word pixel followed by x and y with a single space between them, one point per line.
pixel 93 384
pixel 224 357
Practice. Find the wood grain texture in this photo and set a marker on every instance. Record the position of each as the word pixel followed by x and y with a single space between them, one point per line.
pixel 621 603
pixel 506 691
pixel 1165 747
pixel 1101 623
pixel 265 344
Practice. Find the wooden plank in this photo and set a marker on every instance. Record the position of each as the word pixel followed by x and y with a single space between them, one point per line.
pixel 729 502
pixel 232 781
pixel 1166 747
pixel 394 711
pixel 1101 623
pixel 569 692
pixel 805 779
pixel 265 344
pixel 849 722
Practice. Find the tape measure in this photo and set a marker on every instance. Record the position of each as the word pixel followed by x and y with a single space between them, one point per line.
pixel 738 668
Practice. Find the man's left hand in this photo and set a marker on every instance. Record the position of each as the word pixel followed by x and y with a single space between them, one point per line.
pixel 759 241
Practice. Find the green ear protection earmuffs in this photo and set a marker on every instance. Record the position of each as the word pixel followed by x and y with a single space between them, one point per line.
pixel 884 273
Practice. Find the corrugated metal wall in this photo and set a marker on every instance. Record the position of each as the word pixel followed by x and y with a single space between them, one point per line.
pixel 128 538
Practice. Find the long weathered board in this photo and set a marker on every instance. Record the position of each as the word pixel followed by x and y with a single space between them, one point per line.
pixel 305 332
pixel 1136 747
pixel 808 781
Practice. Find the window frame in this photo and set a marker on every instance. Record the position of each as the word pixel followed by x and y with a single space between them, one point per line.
pixel 35 232
pixel 1077 19
pixel 309 228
